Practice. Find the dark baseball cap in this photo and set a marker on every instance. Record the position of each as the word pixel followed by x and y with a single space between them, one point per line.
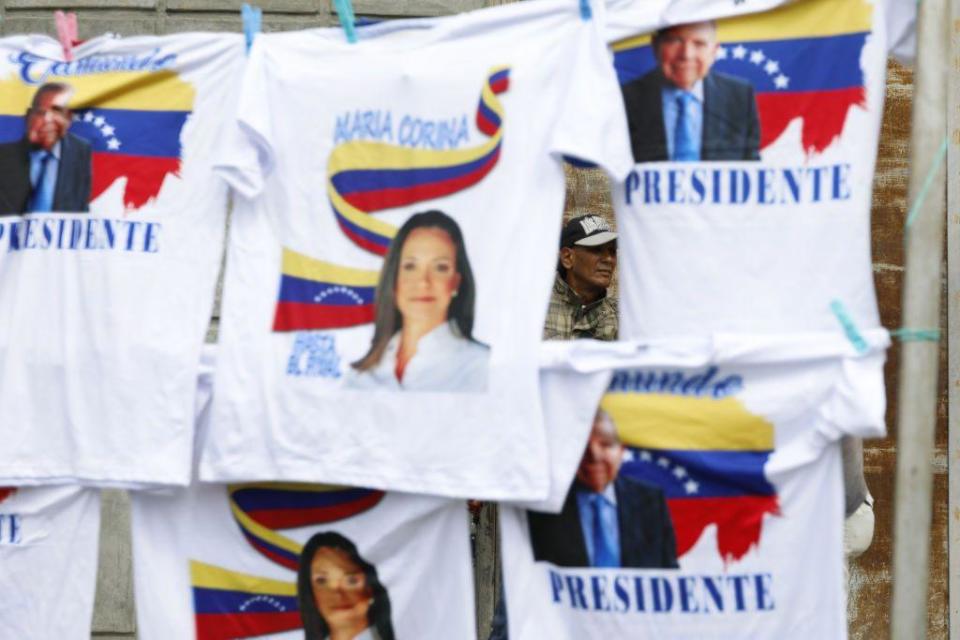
pixel 587 231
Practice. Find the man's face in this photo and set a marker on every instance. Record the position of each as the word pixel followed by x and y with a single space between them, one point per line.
pixel 604 454
pixel 686 52
pixel 589 267
pixel 48 122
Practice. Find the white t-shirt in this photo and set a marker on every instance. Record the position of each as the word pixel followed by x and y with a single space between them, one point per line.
pixel 724 517
pixel 48 561
pixel 213 561
pixel 730 244
pixel 103 313
pixel 338 145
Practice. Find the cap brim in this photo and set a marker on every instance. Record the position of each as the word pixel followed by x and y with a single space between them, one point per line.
pixel 597 239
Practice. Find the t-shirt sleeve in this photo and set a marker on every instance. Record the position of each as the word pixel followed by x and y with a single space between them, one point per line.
pixel 246 156
pixel 901 16
pixel 591 126
pixel 857 406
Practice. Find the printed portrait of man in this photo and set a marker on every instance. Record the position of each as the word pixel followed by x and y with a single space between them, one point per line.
pixel 49 168
pixel 682 110
pixel 607 520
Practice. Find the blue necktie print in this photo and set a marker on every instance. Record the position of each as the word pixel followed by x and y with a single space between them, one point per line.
pixel 602 553
pixel 684 146
pixel 40 200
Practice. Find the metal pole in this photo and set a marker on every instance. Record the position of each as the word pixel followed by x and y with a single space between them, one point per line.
pixel 919 361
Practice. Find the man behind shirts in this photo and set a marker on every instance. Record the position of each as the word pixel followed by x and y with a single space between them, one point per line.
pixel 580 307
pixel 49 168
pixel 607 520
pixel 579 304
pixel 683 111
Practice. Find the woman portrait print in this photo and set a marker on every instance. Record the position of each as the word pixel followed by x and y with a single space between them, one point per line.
pixel 339 594
pixel 424 308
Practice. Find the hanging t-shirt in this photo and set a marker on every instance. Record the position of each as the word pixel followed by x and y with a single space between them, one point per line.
pixel 707 501
pixel 48 561
pixel 749 206
pixel 389 272
pixel 213 562
pixel 111 227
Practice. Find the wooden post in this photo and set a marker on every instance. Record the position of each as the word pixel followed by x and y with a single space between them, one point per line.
pixel 953 320
pixel 919 360
pixel 486 566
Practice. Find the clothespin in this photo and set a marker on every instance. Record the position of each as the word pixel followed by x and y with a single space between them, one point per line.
pixel 849 327
pixel 67 32
pixel 252 21
pixel 347 19
pixel 585 11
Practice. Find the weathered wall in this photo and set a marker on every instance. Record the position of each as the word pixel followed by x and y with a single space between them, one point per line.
pixel 870 579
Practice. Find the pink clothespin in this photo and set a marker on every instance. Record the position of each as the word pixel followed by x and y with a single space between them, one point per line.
pixel 67 32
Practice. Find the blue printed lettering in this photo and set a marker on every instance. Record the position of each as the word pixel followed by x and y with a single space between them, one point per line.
pixel 760 186
pixel 762 587
pixel 662 594
pixel 600 601
pixel 575 589
pixel 314 355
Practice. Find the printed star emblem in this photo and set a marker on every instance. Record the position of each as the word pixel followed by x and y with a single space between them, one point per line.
pixel 628 456
pixel 99 121
pixel 739 52
pixel 663 462
pixel 721 53
pixel 88 116
pixel 679 472
pixel 113 144
pixel 771 67
pixel 757 57
pixel 107 130
pixel 645 456
pixel 781 81
pixel 690 486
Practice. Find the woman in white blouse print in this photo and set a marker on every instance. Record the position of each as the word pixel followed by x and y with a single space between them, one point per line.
pixel 339 594
pixel 424 307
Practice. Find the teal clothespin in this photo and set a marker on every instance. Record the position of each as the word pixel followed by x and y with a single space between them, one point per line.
pixel 347 19
pixel 849 327
pixel 585 11
pixel 252 21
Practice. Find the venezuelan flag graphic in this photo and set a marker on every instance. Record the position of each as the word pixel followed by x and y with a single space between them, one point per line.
pixel 363 178
pixel 267 606
pixel 707 455
pixel 133 121
pixel 320 295
pixel 803 61
pixel 230 604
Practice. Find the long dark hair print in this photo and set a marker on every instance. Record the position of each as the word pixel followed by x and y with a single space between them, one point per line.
pixel 314 625
pixel 387 317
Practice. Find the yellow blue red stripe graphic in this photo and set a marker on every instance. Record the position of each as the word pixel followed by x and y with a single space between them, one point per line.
pixel 230 604
pixel 803 60
pixel 707 454
pixel 363 178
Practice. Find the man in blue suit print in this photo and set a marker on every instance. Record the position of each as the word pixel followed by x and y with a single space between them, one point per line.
pixel 683 111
